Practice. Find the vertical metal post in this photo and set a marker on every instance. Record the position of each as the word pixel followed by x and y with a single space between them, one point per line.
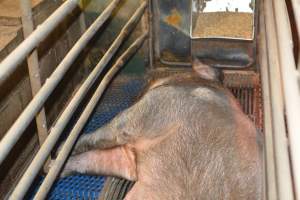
pixel 282 160
pixel 150 38
pixel 33 68
pixel 269 154
pixel 291 88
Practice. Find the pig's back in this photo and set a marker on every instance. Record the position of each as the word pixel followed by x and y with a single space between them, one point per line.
pixel 210 154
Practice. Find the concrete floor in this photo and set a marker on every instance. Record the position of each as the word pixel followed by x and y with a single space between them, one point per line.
pixel 11 8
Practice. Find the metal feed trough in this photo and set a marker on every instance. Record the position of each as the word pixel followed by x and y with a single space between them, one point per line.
pixel 251 41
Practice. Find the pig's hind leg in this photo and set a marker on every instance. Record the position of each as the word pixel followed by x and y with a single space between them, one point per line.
pixel 107 150
pixel 118 161
pixel 124 128
pixel 103 138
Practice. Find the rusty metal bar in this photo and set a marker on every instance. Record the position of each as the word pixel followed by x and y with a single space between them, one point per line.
pixel 11 62
pixel 63 154
pixel 15 132
pixel 61 123
pixel 291 87
pixel 283 168
pixel 33 68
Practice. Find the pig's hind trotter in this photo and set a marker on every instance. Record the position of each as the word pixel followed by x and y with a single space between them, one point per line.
pixel 119 161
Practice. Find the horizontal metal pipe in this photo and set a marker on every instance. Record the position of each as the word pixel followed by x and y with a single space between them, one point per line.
pixel 63 154
pixel 291 87
pixel 61 123
pixel 15 132
pixel 283 168
pixel 11 62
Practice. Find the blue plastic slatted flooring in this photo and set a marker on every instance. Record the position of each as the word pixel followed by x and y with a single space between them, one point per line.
pixel 119 96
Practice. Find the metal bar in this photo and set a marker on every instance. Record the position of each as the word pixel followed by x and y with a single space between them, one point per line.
pixel 34 71
pixel 33 68
pixel 150 39
pixel 15 132
pixel 11 62
pixel 283 168
pixel 61 123
pixel 291 90
pixel 63 154
pixel 270 174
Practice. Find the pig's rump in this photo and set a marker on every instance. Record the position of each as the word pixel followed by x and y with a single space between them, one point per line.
pixel 211 153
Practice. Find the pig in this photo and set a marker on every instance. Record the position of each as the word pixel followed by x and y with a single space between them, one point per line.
pixel 185 138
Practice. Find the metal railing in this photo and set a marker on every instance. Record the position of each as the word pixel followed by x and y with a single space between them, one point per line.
pixel 17 129
pixel 291 86
pixel 11 62
pixel 19 54
pixel 281 92
pixel 270 188
pixel 280 82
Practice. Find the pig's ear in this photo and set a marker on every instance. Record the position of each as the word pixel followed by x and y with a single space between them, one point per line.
pixel 205 71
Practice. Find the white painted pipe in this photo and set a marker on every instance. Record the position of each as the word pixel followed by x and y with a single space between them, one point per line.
pixel 11 62
pixel 15 132
pixel 290 87
pixel 63 154
pixel 283 168
pixel 270 188
pixel 61 123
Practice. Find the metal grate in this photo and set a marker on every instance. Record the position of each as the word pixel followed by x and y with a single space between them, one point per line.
pixel 245 86
pixel 73 187
pixel 120 95
pixel 115 188
pixel 250 101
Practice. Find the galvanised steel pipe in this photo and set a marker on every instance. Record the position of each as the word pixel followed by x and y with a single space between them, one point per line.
pixel 63 154
pixel 283 167
pixel 291 87
pixel 61 123
pixel 15 132
pixel 11 62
